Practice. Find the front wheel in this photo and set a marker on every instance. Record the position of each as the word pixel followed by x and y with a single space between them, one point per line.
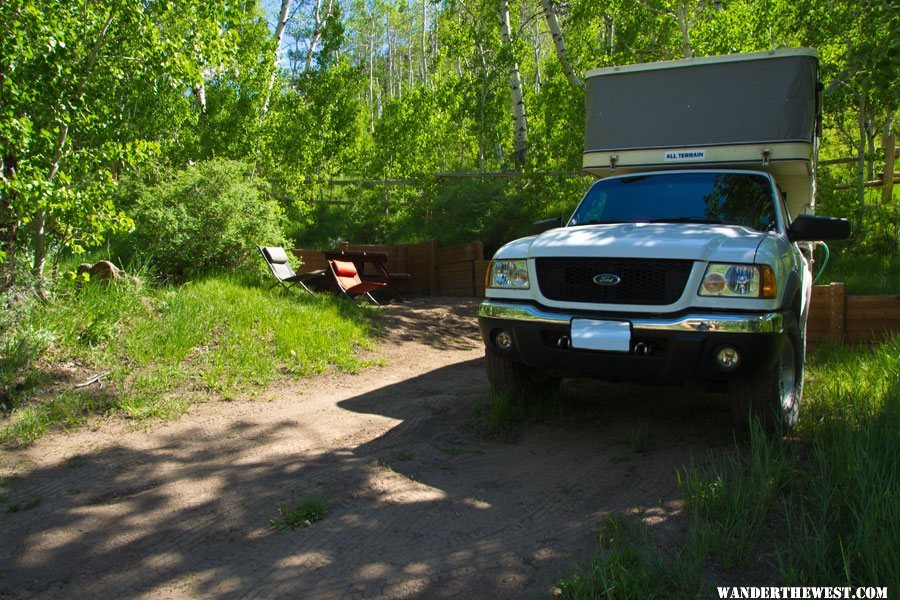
pixel 520 383
pixel 772 399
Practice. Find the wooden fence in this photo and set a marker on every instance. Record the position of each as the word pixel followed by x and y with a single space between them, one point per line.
pixel 434 270
pixel 837 317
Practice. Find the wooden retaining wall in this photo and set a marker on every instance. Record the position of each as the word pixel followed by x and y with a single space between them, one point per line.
pixel 434 270
pixel 837 317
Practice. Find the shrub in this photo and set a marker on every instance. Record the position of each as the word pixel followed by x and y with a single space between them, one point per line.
pixel 21 343
pixel 450 210
pixel 208 217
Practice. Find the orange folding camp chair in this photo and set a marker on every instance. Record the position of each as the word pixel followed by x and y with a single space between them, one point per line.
pixel 349 281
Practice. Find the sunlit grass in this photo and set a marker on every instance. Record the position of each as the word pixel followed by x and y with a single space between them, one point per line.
pixel 864 275
pixel 217 337
pixel 231 334
pixel 299 514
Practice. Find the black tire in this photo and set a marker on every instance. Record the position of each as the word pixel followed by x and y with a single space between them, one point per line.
pixel 520 383
pixel 772 399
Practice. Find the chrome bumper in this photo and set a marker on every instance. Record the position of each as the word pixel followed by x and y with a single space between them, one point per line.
pixel 740 323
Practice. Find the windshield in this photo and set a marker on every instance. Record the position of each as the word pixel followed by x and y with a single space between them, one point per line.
pixel 726 198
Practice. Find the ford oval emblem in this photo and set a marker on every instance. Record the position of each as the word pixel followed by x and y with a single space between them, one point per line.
pixel 607 279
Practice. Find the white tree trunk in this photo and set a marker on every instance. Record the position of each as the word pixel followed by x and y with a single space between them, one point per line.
pixel 520 134
pixel 425 42
pixel 390 57
pixel 682 17
pixel 610 34
pixel 320 15
pixel 200 95
pixel 559 44
pixel 279 34
pixel 372 84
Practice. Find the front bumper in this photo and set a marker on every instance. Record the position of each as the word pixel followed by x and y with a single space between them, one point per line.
pixel 681 348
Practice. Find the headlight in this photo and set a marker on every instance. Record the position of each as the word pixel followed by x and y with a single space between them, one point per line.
pixel 738 281
pixel 508 274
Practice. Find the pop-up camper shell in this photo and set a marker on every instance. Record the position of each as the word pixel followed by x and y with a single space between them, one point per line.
pixel 758 111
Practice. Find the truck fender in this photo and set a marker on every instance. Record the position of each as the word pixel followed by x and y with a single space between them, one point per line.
pixel 793 297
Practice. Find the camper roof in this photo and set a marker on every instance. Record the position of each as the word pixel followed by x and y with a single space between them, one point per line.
pixel 705 60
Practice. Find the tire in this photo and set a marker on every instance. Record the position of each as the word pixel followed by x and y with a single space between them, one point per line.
pixel 520 383
pixel 772 399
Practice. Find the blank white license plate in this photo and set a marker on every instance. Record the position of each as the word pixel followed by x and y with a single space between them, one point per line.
pixel 611 336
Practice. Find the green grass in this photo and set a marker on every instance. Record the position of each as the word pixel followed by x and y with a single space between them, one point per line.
pixel 15 507
pixel 843 518
pixel 869 275
pixel 627 564
pixel 501 419
pixel 166 347
pixel 302 513
pixel 231 335
pixel 821 506
pixel 638 442
pixel 729 506
pixel 65 410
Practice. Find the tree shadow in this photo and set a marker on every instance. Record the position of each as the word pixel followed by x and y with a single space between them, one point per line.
pixel 442 323
pixel 426 508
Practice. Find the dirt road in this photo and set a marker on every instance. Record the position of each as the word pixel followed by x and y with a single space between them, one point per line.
pixel 420 503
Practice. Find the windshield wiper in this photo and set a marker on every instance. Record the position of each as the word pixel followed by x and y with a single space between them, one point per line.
pixel 689 220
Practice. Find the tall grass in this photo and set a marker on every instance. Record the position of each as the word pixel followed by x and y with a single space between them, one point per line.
pixel 221 336
pixel 729 506
pixel 820 508
pixel 843 519
pixel 863 274
pixel 627 564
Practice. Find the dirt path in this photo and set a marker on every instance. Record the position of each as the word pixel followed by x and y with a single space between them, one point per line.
pixel 420 503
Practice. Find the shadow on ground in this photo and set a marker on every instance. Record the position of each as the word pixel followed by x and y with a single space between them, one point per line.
pixel 425 507
pixel 441 323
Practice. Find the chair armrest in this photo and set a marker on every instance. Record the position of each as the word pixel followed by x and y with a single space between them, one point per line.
pixel 307 275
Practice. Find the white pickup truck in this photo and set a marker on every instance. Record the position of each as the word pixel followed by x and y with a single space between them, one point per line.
pixel 688 260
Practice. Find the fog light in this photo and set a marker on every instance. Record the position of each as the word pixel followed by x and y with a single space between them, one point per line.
pixel 728 357
pixel 503 340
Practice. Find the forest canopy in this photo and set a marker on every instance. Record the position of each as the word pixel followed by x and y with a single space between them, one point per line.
pixel 349 113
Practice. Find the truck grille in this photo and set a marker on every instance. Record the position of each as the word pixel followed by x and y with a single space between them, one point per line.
pixel 646 282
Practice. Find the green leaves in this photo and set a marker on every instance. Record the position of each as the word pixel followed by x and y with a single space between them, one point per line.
pixel 206 218
pixel 94 91
pixel 77 82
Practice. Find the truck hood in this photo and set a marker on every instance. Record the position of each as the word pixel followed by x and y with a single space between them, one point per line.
pixel 680 241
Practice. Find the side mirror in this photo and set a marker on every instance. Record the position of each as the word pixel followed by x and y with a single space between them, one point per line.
pixel 812 228
pixel 539 227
